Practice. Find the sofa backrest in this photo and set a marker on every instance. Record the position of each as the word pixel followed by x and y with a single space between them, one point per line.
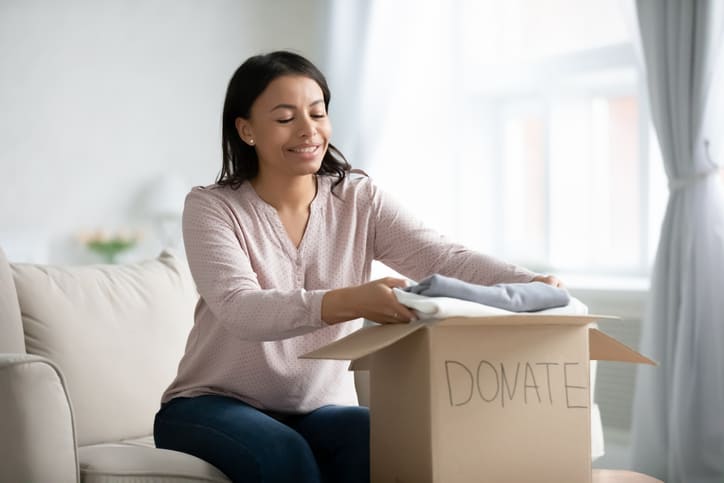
pixel 11 326
pixel 116 331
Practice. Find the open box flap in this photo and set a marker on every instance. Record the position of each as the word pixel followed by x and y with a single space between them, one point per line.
pixel 364 342
pixel 362 364
pixel 605 348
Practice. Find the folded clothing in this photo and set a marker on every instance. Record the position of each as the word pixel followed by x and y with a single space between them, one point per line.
pixel 514 297
pixel 437 308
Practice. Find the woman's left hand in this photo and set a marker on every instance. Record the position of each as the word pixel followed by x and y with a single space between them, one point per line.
pixel 550 280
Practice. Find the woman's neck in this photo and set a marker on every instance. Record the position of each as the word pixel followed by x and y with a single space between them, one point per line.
pixel 287 194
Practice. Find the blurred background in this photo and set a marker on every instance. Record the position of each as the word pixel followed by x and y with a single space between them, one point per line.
pixel 110 111
pixel 520 128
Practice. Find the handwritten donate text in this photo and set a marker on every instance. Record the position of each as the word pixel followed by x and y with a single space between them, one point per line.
pixel 531 382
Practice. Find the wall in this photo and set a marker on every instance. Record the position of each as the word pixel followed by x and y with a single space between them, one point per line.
pixel 100 99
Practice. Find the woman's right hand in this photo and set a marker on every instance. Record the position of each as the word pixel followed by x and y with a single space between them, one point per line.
pixel 374 301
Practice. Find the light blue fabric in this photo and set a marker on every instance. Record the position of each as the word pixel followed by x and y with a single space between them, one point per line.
pixel 678 417
pixel 516 297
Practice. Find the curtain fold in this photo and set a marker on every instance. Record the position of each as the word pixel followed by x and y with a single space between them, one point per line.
pixel 378 53
pixel 344 64
pixel 678 414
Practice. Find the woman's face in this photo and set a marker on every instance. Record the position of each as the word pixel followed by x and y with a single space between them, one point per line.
pixel 289 127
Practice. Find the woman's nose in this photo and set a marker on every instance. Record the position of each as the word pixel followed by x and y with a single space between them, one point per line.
pixel 307 129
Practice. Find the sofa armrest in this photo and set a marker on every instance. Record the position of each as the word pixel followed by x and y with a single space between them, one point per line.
pixel 37 432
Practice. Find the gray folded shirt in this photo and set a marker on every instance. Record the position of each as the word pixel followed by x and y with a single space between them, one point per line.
pixel 516 297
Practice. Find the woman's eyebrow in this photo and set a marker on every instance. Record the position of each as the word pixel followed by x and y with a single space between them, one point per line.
pixel 289 106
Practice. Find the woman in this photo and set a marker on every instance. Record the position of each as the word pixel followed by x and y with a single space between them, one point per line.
pixel 280 249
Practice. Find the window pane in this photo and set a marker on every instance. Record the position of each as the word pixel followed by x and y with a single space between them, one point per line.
pixel 527 141
pixel 596 200
pixel 517 31
pixel 524 185
pixel 624 245
pixel 571 183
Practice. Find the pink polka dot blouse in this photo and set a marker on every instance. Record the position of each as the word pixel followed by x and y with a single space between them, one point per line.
pixel 260 296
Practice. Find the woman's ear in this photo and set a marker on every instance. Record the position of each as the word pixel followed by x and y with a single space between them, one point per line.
pixel 244 130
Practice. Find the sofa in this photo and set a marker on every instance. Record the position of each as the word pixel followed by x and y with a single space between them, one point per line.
pixel 85 354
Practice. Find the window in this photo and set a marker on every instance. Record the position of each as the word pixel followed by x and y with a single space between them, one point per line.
pixel 534 143
pixel 571 178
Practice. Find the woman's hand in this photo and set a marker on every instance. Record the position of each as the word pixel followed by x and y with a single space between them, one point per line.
pixel 374 301
pixel 550 280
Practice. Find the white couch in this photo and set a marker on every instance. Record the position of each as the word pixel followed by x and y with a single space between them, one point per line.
pixel 85 353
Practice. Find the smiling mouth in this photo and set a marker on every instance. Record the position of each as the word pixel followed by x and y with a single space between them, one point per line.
pixel 305 149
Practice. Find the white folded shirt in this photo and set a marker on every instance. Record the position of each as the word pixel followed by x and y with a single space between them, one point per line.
pixel 433 308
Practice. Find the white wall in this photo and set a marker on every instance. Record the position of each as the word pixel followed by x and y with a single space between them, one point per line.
pixel 99 99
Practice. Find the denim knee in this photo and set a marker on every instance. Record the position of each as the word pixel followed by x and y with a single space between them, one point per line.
pixel 242 442
pixel 289 458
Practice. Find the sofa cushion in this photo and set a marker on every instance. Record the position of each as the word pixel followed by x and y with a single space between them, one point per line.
pixel 116 331
pixel 11 327
pixel 117 463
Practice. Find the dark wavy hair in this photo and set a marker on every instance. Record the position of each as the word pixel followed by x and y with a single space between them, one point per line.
pixel 240 162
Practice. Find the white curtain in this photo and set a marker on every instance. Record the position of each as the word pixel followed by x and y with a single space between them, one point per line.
pixel 404 72
pixel 380 56
pixel 348 26
pixel 678 422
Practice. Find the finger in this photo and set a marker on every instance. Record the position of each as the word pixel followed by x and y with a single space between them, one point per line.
pixel 394 320
pixel 549 280
pixel 395 282
pixel 404 314
pixel 556 282
pixel 401 312
pixel 391 297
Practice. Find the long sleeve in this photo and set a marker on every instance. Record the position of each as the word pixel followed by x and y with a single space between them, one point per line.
pixel 406 245
pixel 216 247
pixel 261 296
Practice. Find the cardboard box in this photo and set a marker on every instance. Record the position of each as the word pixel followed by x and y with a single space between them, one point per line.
pixel 484 399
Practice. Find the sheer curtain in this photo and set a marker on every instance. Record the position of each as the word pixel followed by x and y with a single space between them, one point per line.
pixel 393 97
pixel 344 65
pixel 678 421
pixel 376 49
pixel 408 125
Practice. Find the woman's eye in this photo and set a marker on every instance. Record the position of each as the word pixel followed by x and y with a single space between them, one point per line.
pixel 318 116
pixel 284 121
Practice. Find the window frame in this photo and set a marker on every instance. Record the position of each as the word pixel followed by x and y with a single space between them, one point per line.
pixel 540 82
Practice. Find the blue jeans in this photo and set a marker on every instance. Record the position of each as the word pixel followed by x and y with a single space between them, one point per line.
pixel 330 444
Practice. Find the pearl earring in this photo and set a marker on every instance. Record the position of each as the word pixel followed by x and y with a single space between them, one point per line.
pixel 251 142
